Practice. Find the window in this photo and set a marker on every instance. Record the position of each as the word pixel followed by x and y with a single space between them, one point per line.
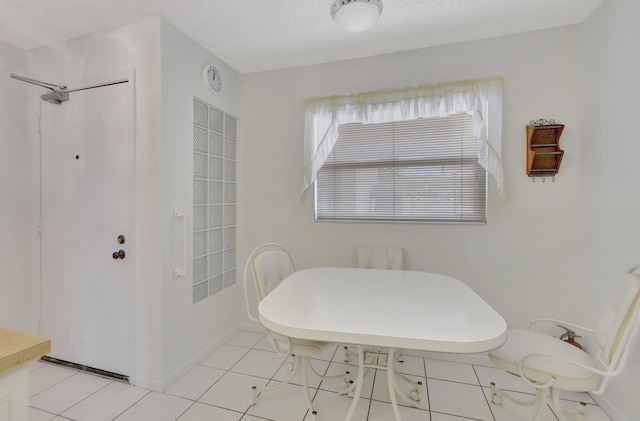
pixel 214 200
pixel 422 170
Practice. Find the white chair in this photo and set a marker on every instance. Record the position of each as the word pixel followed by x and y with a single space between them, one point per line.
pixel 551 365
pixel 374 257
pixel 388 258
pixel 380 257
pixel 270 264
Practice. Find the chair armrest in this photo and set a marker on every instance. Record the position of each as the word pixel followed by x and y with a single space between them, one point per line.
pixel 246 292
pixel 560 322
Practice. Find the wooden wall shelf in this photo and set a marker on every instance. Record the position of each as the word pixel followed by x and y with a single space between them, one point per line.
pixel 543 149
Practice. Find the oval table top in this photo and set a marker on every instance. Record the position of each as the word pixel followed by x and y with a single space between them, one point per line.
pixel 386 308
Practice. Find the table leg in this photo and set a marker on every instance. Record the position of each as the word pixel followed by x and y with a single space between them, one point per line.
pixel 391 379
pixel 359 381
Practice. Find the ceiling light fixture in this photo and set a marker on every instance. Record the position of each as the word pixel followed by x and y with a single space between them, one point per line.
pixel 356 15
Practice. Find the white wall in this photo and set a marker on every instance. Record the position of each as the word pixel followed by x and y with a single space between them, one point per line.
pixel 526 261
pixel 16 189
pixel 612 147
pixel 135 46
pixel 190 332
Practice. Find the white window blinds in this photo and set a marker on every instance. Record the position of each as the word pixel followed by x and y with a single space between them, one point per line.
pixel 418 170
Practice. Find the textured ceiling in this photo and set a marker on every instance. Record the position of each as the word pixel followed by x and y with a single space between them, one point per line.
pixel 258 35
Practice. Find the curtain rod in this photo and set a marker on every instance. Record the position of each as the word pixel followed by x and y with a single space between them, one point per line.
pixel 390 91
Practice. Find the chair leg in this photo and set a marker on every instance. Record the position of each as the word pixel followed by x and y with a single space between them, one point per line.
pixel 498 396
pixel 415 393
pixel 347 387
pixel 306 363
pixel 255 391
pixel 358 385
pixel 347 355
pixel 555 404
pixel 323 377
pixel 394 388
pixel 299 363
pixel 371 355
pixel 580 411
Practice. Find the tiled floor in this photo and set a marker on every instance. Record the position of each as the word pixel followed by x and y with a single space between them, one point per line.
pixel 218 388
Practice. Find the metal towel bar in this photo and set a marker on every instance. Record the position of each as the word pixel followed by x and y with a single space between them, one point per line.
pixel 182 271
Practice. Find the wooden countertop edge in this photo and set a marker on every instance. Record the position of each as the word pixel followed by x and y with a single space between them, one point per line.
pixel 18 348
pixel 25 355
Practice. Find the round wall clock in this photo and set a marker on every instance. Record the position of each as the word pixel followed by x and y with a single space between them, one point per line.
pixel 212 78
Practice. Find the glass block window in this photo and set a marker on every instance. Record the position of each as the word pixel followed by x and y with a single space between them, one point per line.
pixel 214 200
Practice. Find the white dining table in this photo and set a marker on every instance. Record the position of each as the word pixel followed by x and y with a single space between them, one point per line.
pixel 392 309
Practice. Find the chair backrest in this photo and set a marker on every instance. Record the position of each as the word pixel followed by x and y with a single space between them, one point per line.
pixel 370 257
pixel 618 328
pixel 269 264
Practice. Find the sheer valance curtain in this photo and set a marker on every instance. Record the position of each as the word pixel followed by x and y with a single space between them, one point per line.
pixel 478 98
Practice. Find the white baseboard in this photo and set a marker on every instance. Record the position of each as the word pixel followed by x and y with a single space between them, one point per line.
pixel 251 326
pixel 169 380
pixel 146 383
pixel 610 409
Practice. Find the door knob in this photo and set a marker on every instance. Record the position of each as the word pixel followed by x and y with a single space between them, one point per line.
pixel 120 254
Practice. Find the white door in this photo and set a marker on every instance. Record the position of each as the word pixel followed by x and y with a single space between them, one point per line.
pixel 86 162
